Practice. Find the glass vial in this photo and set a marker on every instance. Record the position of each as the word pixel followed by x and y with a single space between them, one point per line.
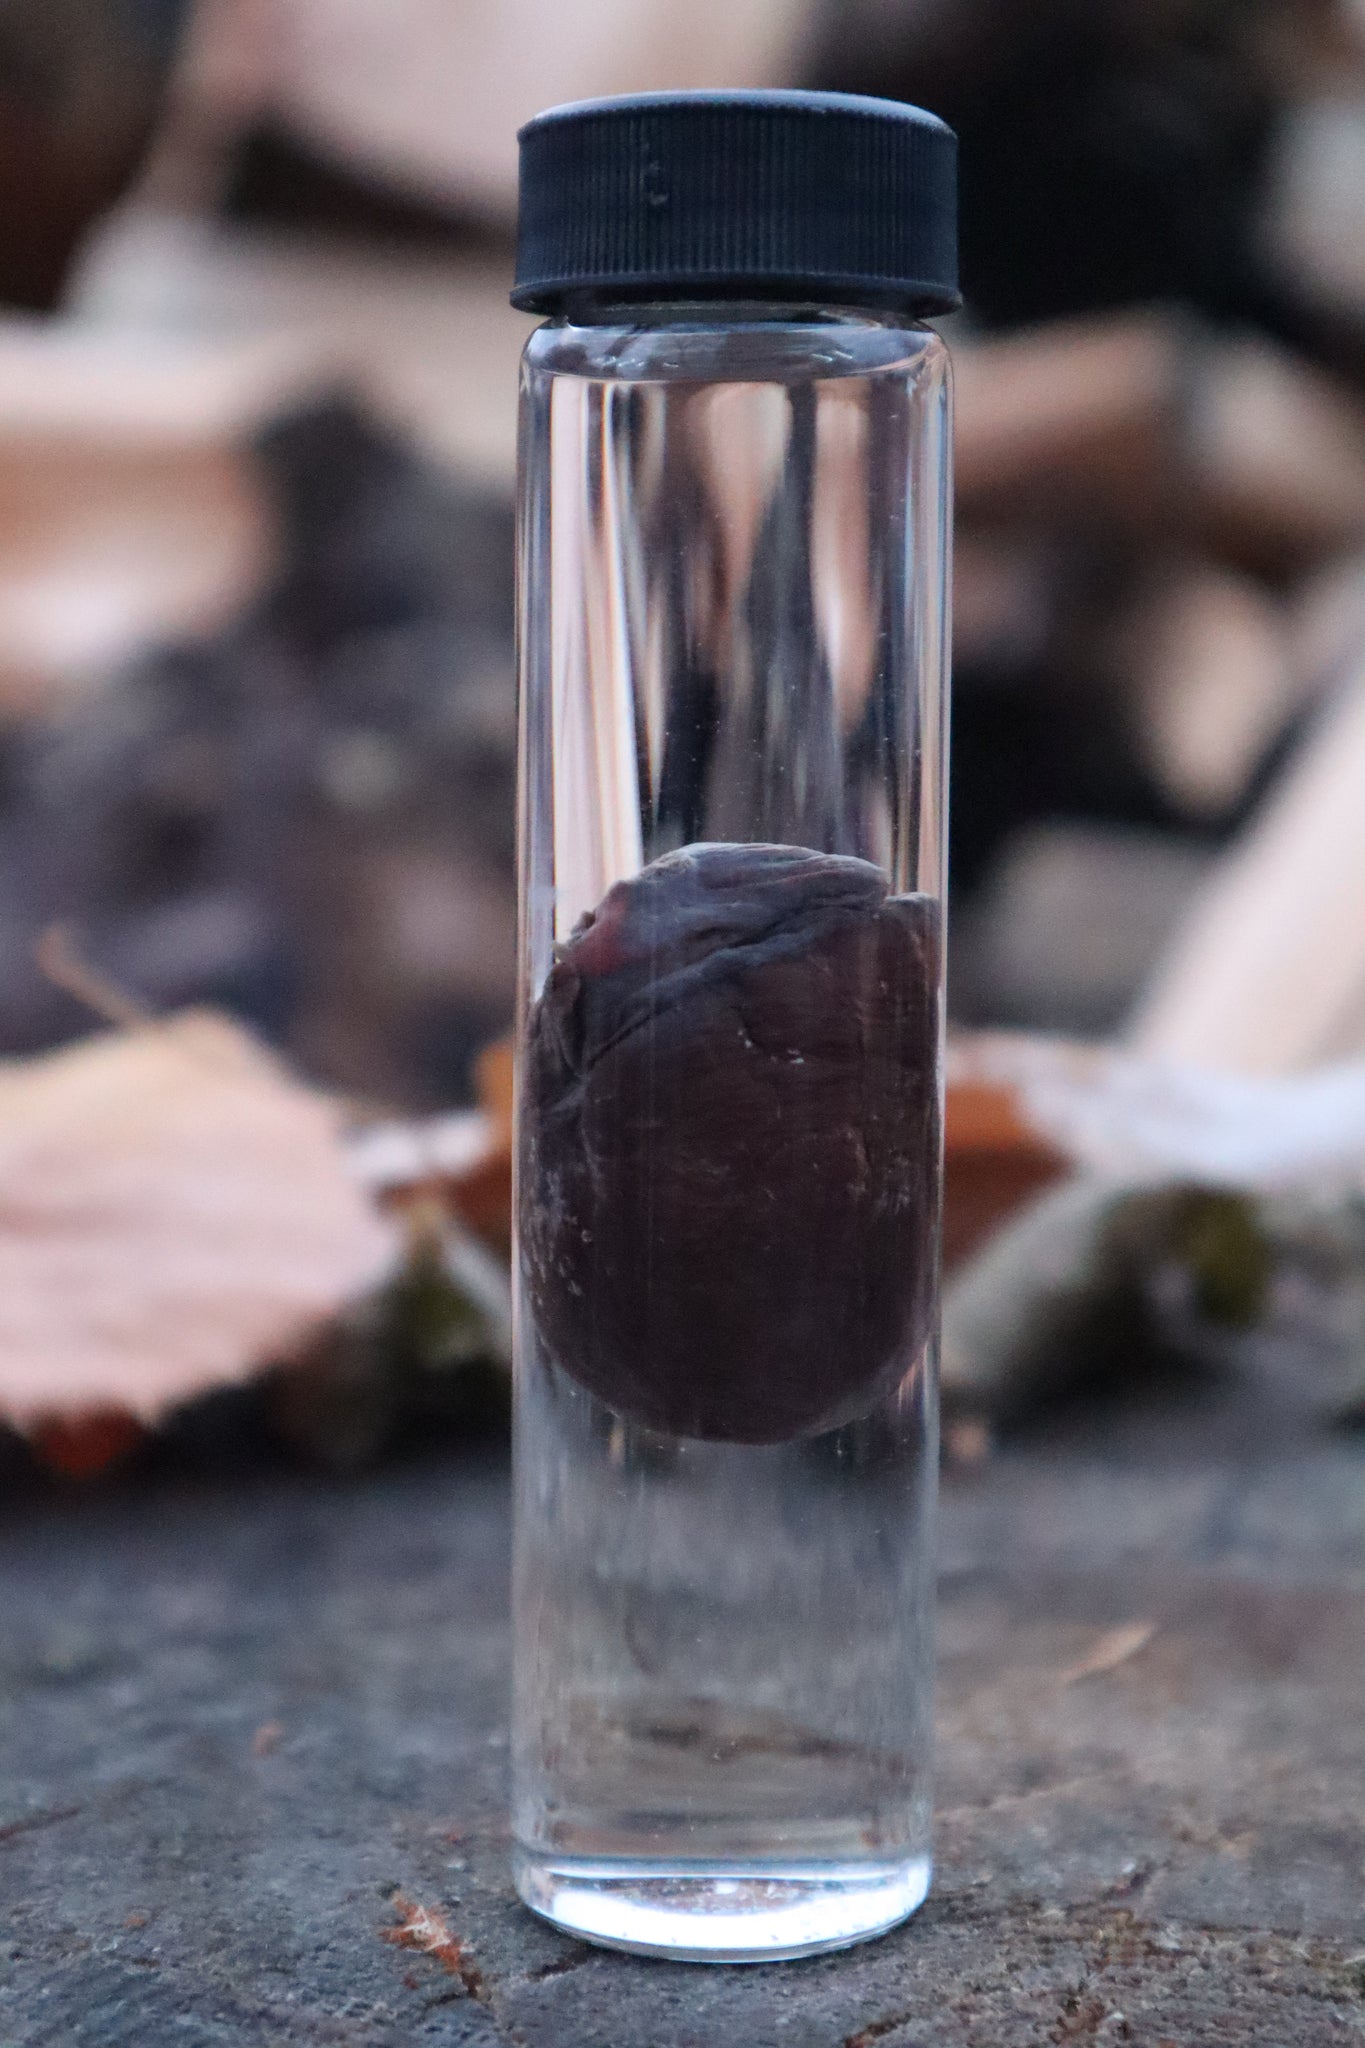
pixel 734 541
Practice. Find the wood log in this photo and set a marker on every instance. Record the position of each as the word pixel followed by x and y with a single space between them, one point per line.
pixel 1267 973
pixel 1212 683
pixel 1092 403
pixel 81 85
pixel 1275 455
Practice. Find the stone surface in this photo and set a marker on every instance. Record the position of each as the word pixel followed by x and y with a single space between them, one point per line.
pixel 241 1720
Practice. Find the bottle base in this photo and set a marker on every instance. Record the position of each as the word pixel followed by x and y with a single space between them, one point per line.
pixel 745 1913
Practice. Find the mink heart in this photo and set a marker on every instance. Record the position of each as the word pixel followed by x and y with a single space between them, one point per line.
pixel 730 1143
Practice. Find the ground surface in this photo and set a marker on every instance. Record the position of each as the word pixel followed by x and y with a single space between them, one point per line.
pixel 247 1728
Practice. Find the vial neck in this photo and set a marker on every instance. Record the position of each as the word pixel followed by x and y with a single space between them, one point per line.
pixel 585 309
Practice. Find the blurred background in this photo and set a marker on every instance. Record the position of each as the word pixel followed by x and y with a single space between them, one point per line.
pixel 257 426
pixel 257 394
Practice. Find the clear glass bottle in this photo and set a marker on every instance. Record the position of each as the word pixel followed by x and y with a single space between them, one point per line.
pixel 734 560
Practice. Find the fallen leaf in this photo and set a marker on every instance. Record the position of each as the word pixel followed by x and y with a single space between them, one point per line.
pixel 79 1446
pixel 1110 1650
pixel 462 1163
pixel 424 1929
pixel 481 1198
pixel 494 1076
pixel 176 1213
pixel 994 1161
pixel 34 1823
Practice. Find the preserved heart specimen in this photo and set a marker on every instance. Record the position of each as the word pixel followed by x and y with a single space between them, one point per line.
pixel 730 1148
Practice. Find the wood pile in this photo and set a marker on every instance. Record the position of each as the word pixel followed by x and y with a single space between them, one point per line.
pixel 1160 548
pixel 303 812
pixel 1161 418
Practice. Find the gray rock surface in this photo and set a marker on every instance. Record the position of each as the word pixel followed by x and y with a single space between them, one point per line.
pixel 240 1721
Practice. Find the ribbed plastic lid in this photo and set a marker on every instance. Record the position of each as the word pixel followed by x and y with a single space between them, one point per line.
pixel 711 195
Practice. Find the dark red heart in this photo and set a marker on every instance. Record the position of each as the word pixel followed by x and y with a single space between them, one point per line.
pixel 730 1150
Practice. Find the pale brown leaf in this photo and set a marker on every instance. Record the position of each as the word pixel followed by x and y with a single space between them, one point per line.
pixel 176 1212
pixel 1109 1650
pixel 424 1929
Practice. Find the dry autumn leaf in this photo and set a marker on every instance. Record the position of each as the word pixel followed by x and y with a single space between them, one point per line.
pixel 462 1162
pixel 176 1212
pixel 1111 1649
pixel 424 1929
